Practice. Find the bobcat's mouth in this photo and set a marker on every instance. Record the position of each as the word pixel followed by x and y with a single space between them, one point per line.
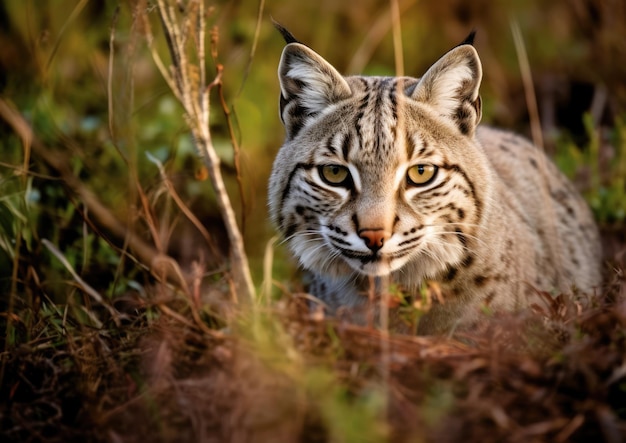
pixel 362 257
pixel 373 265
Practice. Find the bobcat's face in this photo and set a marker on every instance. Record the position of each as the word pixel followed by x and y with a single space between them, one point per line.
pixel 373 176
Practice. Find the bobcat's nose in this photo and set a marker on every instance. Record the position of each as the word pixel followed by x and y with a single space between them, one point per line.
pixel 374 238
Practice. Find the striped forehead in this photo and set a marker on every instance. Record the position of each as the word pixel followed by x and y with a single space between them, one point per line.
pixel 369 130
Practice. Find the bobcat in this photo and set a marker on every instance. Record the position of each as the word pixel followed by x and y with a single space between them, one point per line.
pixel 391 177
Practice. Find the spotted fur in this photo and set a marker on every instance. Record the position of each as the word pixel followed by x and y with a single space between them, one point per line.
pixel 496 221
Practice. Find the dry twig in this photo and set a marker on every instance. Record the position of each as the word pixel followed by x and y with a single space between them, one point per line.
pixel 529 88
pixel 186 78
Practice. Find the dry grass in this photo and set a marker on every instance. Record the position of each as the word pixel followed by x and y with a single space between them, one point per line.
pixel 555 374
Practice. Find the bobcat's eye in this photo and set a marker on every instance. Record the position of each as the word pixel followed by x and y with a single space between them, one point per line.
pixel 421 175
pixel 335 175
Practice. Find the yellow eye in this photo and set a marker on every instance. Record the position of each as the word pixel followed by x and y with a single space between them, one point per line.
pixel 420 175
pixel 335 175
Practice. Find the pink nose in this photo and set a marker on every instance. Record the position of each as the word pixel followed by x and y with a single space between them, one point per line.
pixel 374 238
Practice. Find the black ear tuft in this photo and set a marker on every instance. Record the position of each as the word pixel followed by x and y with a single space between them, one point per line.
pixel 308 86
pixel 288 36
pixel 450 87
pixel 469 40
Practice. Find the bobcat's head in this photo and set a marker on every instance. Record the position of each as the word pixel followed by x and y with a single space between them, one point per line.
pixel 379 174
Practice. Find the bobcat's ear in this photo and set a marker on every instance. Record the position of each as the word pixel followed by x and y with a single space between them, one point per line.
pixel 308 85
pixel 451 86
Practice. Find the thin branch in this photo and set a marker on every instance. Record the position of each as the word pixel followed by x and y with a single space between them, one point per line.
pixel 110 71
pixel 75 12
pixel 374 36
pixel 201 27
pixel 535 126
pixel 169 37
pixel 157 58
pixel 529 88
pixel 397 38
pixel 268 265
pixel 196 106
pixel 382 283
pixel 385 348
pixel 236 150
pixel 175 46
pixel 255 41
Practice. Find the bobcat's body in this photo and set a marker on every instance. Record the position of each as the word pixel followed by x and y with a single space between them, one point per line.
pixel 387 176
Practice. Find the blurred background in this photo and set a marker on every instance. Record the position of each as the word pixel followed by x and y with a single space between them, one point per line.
pixel 81 75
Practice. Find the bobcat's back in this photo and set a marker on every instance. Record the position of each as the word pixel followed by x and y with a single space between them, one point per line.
pixel 390 177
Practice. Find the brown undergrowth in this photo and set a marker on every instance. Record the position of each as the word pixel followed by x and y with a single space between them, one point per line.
pixel 280 374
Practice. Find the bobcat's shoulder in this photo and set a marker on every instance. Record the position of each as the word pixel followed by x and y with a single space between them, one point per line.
pixel 391 177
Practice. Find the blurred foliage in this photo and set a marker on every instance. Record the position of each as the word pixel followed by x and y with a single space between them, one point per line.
pixel 601 166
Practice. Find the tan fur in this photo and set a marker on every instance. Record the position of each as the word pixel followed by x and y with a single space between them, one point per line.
pixel 495 223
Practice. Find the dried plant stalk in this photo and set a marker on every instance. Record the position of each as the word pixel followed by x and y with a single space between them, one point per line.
pixel 187 78
pixel 529 88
